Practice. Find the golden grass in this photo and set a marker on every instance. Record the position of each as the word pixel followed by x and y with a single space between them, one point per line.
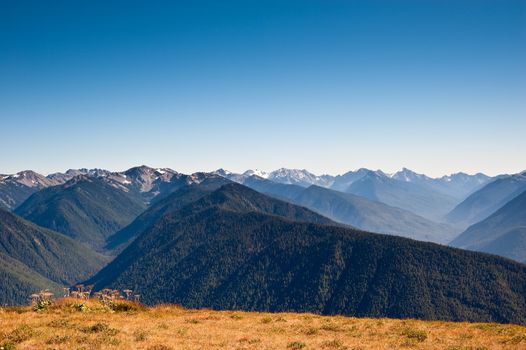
pixel 64 326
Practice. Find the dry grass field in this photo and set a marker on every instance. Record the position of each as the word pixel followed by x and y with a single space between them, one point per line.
pixel 69 324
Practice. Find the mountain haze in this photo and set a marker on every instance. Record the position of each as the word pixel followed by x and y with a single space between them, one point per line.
pixel 428 197
pixel 410 196
pixel 356 211
pixel 458 185
pixel 502 233
pixel 487 200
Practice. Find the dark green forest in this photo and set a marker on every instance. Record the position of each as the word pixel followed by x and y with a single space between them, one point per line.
pixel 34 258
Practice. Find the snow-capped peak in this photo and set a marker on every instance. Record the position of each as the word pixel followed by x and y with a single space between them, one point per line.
pixel 300 177
pixel 256 172
pixel 408 175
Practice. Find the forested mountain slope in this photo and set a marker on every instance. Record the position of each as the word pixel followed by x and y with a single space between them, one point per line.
pixel 236 249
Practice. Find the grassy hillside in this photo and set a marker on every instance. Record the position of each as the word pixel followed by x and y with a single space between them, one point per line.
pixel 172 327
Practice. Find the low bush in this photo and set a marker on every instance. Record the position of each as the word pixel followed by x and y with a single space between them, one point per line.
pixel 296 345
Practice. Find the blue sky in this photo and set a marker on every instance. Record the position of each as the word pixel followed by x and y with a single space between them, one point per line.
pixel 436 86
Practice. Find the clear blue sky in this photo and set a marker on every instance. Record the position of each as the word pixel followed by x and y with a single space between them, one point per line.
pixel 436 86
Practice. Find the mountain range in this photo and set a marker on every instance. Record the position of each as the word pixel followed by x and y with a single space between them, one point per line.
pixel 142 181
pixel 285 240
pixel 235 248
pixel 354 210
pixel 457 185
pixel 431 198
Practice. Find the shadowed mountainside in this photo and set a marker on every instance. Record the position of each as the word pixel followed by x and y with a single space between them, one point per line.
pixel 35 258
pixel 85 208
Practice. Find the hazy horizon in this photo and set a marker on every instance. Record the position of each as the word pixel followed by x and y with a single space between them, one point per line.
pixel 437 87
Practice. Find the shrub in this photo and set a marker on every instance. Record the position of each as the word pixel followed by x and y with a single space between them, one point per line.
pixel 42 305
pixel 515 339
pixel 163 326
pixel 42 300
pixel 8 345
pixel 330 326
pixel 311 331
pixel 107 339
pixel 415 334
pixel 20 334
pixel 296 345
pixel 96 328
pixel 333 344
pixel 82 307
pixel 266 320
pixel 140 335
pixel 192 320
pixel 57 339
pixel 100 328
pixel 61 323
pixel 124 306
pixel 159 347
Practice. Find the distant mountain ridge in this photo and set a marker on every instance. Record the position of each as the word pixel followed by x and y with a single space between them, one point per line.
pixel 429 197
pixel 143 180
pixel 502 233
pixel 457 185
pixel 487 200
pixel 417 198
pixel 354 210
pixel 16 188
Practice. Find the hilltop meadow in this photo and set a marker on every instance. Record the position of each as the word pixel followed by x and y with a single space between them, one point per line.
pixel 89 324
